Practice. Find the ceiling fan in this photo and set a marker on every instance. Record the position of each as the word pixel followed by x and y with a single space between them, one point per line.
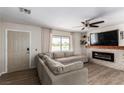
pixel 87 23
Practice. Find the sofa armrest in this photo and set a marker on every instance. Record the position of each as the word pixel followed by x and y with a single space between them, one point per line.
pixel 77 77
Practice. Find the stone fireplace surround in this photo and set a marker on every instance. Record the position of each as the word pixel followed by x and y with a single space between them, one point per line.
pixel 118 62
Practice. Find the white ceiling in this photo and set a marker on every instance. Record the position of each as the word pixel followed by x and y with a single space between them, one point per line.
pixel 65 18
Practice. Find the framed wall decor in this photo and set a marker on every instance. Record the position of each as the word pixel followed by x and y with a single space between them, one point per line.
pixel 121 35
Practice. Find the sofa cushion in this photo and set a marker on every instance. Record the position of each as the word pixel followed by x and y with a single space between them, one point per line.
pixel 72 66
pixel 50 54
pixel 58 68
pixel 54 66
pixel 41 55
pixel 58 54
pixel 72 59
pixel 68 54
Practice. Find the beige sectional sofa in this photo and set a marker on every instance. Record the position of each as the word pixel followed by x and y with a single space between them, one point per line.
pixel 54 72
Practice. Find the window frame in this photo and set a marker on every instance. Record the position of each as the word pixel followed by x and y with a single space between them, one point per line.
pixel 61 42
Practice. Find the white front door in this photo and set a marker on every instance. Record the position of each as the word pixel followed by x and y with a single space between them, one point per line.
pixel 18 50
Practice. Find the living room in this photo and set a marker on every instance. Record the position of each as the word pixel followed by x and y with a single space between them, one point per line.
pixel 61 49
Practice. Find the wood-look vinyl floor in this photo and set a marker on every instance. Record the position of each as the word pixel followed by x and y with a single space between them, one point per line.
pixel 25 77
pixel 97 75
pixel 102 75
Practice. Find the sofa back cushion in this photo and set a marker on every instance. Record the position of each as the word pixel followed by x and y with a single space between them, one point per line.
pixel 68 54
pixel 41 55
pixel 50 54
pixel 58 54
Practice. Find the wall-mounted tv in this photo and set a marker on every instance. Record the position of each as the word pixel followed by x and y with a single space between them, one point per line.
pixel 108 38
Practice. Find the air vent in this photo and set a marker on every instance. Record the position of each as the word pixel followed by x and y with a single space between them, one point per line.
pixel 24 10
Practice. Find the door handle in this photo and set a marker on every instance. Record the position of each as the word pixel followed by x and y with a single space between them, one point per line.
pixel 28 49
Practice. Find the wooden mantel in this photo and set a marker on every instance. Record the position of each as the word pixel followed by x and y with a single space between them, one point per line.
pixel 107 47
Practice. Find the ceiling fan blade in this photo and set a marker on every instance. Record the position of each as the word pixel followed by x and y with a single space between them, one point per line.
pixel 83 28
pixel 93 26
pixel 97 22
pixel 83 22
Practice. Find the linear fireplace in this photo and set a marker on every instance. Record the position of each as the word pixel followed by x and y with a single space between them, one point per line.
pixel 103 56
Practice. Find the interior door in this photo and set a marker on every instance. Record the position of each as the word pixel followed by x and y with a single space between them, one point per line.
pixel 18 50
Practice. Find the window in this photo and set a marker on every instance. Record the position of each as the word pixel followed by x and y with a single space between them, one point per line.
pixel 65 43
pixel 56 43
pixel 60 43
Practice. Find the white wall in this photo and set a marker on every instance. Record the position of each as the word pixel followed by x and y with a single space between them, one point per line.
pixel 35 40
pixel 63 33
pixel 76 43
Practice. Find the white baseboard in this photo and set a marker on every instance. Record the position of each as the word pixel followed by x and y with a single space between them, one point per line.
pixel 2 73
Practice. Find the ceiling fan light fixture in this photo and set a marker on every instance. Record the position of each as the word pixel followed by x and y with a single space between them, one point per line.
pixel 87 24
